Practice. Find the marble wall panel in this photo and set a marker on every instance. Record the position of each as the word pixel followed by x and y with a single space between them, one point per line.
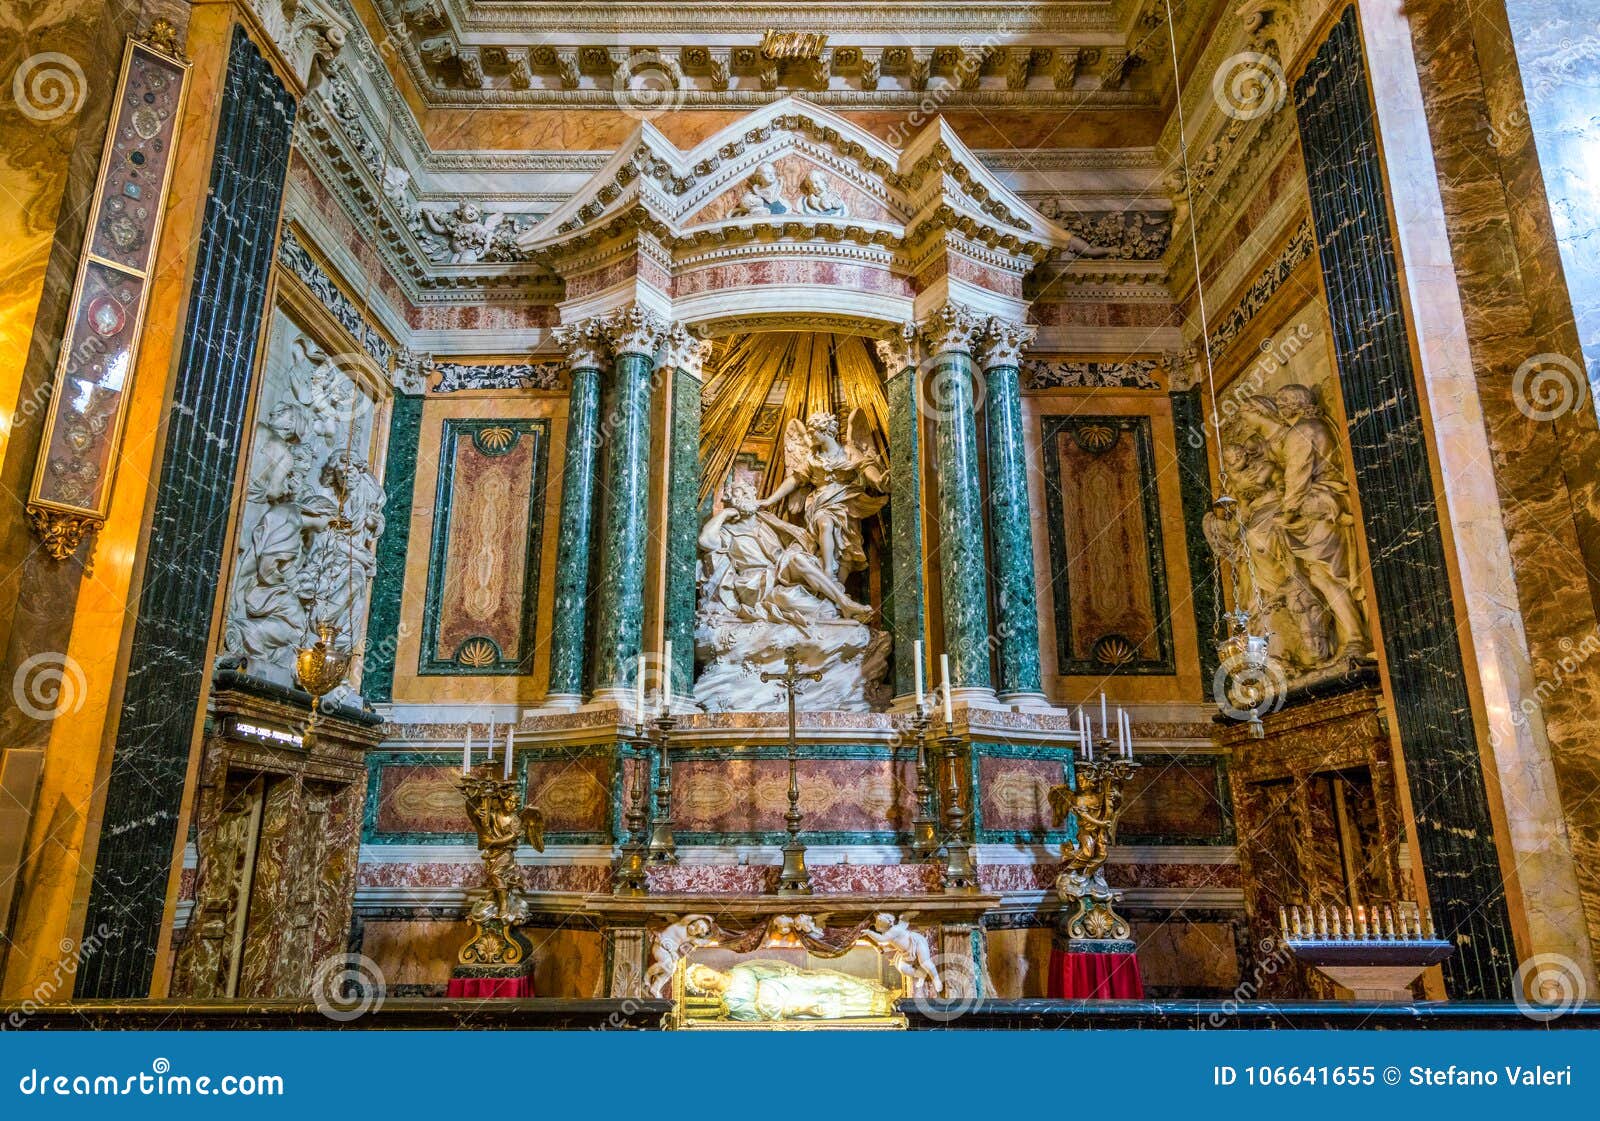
pixel 384 613
pixel 1108 565
pixel 483 570
pixel 1177 799
pixel 727 797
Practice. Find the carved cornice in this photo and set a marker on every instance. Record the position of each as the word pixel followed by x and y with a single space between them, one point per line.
pixel 1300 246
pixel 457 376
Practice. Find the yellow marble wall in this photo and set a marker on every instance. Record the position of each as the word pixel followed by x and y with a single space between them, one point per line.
pixel 1185 685
pixel 410 687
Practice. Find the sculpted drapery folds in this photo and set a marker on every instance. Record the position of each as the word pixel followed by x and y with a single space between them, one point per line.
pixel 308 546
pixel 1285 467
pixel 836 480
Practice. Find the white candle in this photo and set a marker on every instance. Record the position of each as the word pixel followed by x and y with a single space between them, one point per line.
pixel 490 746
pixel 466 753
pixel 917 664
pixel 944 674
pixel 638 699
pixel 666 677
pixel 1088 740
pixel 1083 731
pixel 1102 716
pixel 507 772
pixel 1127 736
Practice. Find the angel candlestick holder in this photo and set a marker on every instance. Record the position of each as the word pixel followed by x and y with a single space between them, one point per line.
pixel 496 912
pixel 1095 802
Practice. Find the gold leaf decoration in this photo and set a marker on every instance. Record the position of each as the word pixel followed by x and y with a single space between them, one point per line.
pixel 496 439
pixel 477 653
pixel 1115 650
pixel 1097 439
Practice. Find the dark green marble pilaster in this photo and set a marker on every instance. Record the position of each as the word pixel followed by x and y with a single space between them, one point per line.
pixel 683 526
pixel 389 577
pixel 962 570
pixel 1194 485
pixel 1012 530
pixel 905 526
pixel 625 435
pixel 578 500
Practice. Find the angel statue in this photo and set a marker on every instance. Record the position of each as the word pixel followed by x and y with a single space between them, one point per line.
pixel 832 483
pixel 1096 804
pixel 676 939
pixel 909 950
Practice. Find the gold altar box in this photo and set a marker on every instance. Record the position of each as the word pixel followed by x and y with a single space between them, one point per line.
pixel 783 988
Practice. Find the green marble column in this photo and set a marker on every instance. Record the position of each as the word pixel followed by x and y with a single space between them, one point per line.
pixel 1010 524
pixel 624 434
pixel 579 482
pixel 949 396
pixel 685 357
pixel 905 593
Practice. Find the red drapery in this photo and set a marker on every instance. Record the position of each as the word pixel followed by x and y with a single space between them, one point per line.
pixel 489 988
pixel 1095 976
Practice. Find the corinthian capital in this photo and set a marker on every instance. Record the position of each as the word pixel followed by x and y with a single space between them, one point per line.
pixel 687 352
pixel 950 327
pixel 1003 342
pixel 899 349
pixel 635 330
pixel 584 344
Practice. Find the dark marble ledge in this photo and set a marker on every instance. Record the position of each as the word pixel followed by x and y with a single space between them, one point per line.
pixel 413 1013
pixel 1308 1015
pixel 254 686
pixel 409 1013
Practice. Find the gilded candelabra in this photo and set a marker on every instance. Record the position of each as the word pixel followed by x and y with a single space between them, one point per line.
pixel 924 822
pixel 794 878
pixel 663 846
pixel 1095 802
pixel 960 874
pixel 495 808
pixel 629 872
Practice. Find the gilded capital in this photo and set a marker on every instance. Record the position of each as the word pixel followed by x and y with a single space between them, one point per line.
pixel 635 330
pixel 950 328
pixel 899 349
pixel 584 343
pixel 1003 342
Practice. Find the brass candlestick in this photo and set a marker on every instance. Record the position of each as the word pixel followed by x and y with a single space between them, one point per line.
pixel 793 878
pixel 496 912
pixel 960 875
pixel 628 873
pixel 1095 801
pixel 924 824
pixel 663 846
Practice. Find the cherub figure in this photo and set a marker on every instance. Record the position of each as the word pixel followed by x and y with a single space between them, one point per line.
pixel 675 940
pixel 501 824
pixel 818 197
pixel 908 949
pixel 468 230
pixel 763 193
pixel 1096 811
pixel 837 481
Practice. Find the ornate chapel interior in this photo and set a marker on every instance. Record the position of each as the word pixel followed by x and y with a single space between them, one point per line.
pixel 766 513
